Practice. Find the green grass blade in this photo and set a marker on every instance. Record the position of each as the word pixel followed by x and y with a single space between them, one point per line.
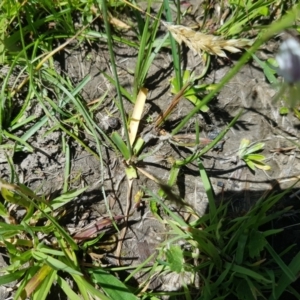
pixel 120 145
pixel 155 198
pixel 285 280
pixel 42 290
pixel 101 35
pixel 175 48
pixel 114 69
pixel 142 50
pixel 54 263
pixel 247 272
pixel 112 286
pixel 124 92
pixel 5 279
pixel 67 152
pixel 26 146
pixel 285 269
pixel 269 72
pixel 67 289
pixel 64 199
pixel 153 54
pixel 209 192
pixel 241 245
pixel 87 288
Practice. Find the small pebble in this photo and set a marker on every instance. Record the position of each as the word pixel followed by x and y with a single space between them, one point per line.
pixel 113 122
pixel 220 184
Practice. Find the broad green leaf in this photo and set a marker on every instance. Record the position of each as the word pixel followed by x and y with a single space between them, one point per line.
pixel 264 11
pixel 67 289
pixel 138 145
pixel 254 148
pixel 131 172
pixel 116 138
pixel 272 232
pixel 256 243
pixel 175 258
pixel 261 165
pixel 14 198
pixel 243 146
pixel 5 279
pixel 269 68
pixel 54 263
pixel 112 286
pixel 255 157
pixel 46 250
pixel 250 164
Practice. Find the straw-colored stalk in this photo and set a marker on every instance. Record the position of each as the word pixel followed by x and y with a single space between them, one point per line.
pixel 211 44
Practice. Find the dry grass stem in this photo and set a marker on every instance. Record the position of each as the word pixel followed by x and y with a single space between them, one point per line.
pixel 211 44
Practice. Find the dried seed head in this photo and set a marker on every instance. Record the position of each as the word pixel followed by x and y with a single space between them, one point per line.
pixel 211 44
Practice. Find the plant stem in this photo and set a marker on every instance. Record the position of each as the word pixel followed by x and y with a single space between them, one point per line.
pixel 114 69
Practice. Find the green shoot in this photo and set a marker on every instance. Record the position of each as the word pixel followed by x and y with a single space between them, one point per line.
pixel 253 160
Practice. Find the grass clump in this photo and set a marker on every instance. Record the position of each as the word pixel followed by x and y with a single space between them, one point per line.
pixel 227 256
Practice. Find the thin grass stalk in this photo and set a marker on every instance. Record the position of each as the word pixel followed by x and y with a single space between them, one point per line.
pixel 209 192
pixel 175 48
pixel 178 22
pixel 150 54
pixel 284 281
pixel 80 107
pixel 59 125
pixel 140 61
pixel 13 174
pixel 67 165
pixel 114 69
pixel 103 36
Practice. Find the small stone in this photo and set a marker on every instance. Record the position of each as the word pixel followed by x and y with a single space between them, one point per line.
pixel 113 122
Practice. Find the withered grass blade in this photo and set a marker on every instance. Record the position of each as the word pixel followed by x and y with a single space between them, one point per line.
pixel 161 118
pixel 137 114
